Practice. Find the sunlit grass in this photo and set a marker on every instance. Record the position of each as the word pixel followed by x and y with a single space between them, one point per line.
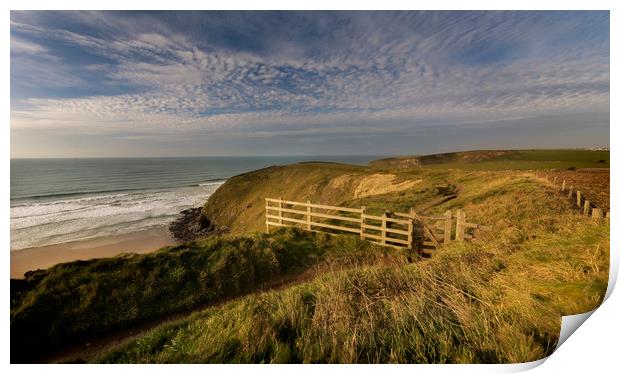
pixel 498 298
pixel 84 298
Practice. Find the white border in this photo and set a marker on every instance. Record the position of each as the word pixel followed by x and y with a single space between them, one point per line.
pixel 592 347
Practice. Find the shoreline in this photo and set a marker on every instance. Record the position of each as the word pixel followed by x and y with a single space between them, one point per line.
pixel 43 257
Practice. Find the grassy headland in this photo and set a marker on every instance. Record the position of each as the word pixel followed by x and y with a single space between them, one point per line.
pixel 239 205
pixel 502 160
pixel 498 298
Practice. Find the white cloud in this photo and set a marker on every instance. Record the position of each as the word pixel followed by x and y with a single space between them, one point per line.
pixel 411 69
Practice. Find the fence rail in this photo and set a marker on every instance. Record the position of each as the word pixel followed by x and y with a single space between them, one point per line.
pixel 396 229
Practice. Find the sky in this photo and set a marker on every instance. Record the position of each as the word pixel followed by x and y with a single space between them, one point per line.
pixel 122 84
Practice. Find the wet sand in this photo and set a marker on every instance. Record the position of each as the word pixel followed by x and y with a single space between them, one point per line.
pixel 46 256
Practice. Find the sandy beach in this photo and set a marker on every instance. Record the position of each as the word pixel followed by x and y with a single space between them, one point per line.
pixel 46 256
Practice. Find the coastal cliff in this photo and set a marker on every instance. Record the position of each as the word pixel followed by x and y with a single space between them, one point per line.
pixel 298 296
pixel 238 206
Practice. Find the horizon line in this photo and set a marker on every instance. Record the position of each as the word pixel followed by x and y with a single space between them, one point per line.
pixel 333 155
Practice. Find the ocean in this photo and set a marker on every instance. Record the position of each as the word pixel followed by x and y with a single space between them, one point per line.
pixel 63 200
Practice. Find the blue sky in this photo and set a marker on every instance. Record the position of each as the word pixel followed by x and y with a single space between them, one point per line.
pixel 92 84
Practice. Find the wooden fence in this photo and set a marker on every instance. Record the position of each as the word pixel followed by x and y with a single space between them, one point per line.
pixel 585 206
pixel 405 230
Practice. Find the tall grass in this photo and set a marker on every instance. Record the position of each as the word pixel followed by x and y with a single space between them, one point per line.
pixel 80 299
pixel 496 299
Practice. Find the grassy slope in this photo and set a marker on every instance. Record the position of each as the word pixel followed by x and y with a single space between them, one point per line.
pixel 496 299
pixel 516 160
pixel 80 298
pixel 240 203
pixel 83 298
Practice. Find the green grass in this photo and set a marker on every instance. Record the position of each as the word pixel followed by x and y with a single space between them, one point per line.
pixel 84 298
pixel 496 299
pixel 433 185
pixel 534 160
pixel 239 204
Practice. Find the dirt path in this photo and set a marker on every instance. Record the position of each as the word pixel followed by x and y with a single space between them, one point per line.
pixel 423 208
pixel 87 349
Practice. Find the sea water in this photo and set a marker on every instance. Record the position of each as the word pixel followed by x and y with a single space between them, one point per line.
pixel 63 200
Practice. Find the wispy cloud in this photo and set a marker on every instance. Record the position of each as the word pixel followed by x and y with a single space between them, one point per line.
pixel 274 74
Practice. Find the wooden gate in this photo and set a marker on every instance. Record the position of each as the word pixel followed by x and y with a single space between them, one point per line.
pixel 396 229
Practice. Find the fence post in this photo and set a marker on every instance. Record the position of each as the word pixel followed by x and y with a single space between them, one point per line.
pixel 579 199
pixel 362 221
pixel 460 225
pixel 383 227
pixel 586 208
pixel 410 227
pixel 447 227
pixel 309 215
pixel 597 214
pixel 267 212
pixel 563 185
pixel 280 210
pixel 570 192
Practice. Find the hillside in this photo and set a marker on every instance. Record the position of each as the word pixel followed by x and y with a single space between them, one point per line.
pixel 239 205
pixel 80 300
pixel 501 160
pixel 295 296
pixel 496 299
pixel 395 184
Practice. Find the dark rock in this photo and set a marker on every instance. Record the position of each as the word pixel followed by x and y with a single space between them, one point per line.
pixel 193 225
pixel 204 222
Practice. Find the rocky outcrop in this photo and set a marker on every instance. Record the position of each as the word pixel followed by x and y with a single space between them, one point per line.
pixel 193 225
